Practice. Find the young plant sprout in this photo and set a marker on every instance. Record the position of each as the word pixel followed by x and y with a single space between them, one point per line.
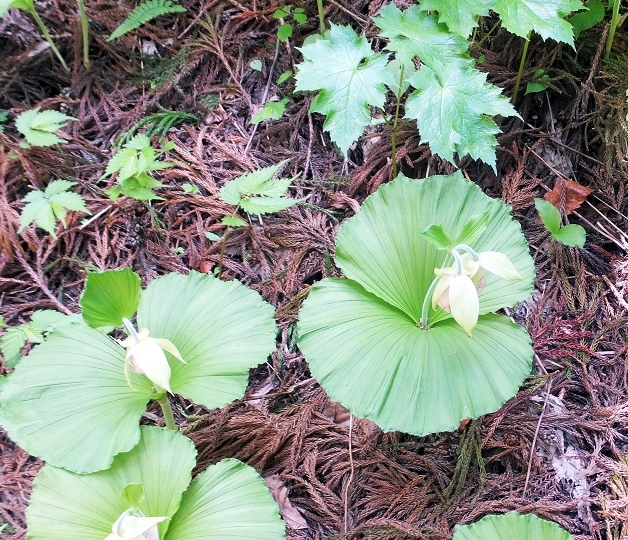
pixel 134 525
pixel 455 288
pixel 146 356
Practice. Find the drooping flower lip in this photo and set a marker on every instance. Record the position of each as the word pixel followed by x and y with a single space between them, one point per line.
pixel 145 355
pixel 133 525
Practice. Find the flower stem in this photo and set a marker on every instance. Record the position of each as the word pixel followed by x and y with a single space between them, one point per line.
pixel 164 403
pixel 468 249
pixel 425 310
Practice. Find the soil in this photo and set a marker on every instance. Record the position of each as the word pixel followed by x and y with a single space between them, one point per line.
pixel 558 449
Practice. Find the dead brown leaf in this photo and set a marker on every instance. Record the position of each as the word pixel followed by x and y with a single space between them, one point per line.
pixel 568 195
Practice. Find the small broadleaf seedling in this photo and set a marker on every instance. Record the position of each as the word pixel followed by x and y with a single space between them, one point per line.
pixel 374 340
pixel 145 12
pixel 540 82
pixel 283 14
pixel 39 127
pixel 45 208
pixel 513 526
pixel 272 110
pixel 570 235
pixel 147 494
pixel 133 165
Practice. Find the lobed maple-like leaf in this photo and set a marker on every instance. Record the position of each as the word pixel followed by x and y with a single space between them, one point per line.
pixel 546 17
pixel 460 16
pixel 453 105
pixel 38 126
pixel 349 77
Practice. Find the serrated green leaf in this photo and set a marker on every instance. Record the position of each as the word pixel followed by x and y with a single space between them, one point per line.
pixel 232 221
pixel 145 12
pixel 349 78
pixel 438 237
pixel 460 16
pixel 571 235
pixel 545 17
pixel 11 344
pixel 38 211
pixel 50 120
pixel 587 19
pixel 139 142
pixel 267 205
pixel 453 105
pixel 550 216
pixel 259 182
pixel 38 127
pixel 414 33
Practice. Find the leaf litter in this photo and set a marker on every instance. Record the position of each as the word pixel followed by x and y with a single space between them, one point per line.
pixel 389 485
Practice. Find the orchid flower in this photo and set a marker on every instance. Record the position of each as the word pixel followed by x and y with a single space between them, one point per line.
pixel 146 356
pixel 458 285
pixel 131 526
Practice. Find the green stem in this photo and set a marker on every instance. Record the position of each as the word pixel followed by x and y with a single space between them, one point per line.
pixel 473 45
pixel 48 37
pixel 611 31
pixel 224 243
pixel 85 32
pixel 164 403
pixel 425 309
pixel 468 249
pixel 522 64
pixel 321 15
pixel 393 135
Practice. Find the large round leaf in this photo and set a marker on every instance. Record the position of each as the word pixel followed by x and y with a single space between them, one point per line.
pixel 361 336
pixel 382 248
pixel 84 507
pixel 68 401
pixel 372 358
pixel 221 328
pixel 229 501
pixel 513 526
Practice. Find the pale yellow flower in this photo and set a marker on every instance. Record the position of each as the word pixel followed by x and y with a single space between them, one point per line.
pixel 146 356
pixel 130 526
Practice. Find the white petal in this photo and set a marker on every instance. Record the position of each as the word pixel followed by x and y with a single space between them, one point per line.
pixel 464 303
pixel 149 358
pixel 132 527
pixel 167 345
pixel 499 264
pixel 469 264
pixel 439 290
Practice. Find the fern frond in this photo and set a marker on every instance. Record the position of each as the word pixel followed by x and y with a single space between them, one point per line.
pixel 143 13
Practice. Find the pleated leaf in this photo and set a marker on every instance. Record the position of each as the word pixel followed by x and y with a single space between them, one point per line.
pixel 84 507
pixel 513 526
pixel 370 356
pixel 221 328
pixel 229 501
pixel 68 402
pixel 109 296
pixel 382 247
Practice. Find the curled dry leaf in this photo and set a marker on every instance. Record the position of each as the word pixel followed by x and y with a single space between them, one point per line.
pixel 568 195
pixel 289 512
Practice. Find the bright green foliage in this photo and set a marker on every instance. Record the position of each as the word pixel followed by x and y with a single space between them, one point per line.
pixel 349 78
pixel 3 118
pixel 460 16
pixel 258 192
pixel 146 11
pixel 109 297
pixel 374 340
pixel 45 208
pixel 587 19
pixel 233 221
pixel 42 322
pixel 157 124
pixel 284 32
pixel 438 237
pixel 190 189
pixel 513 526
pixel 227 500
pixel 546 17
pixel 133 165
pixel 453 105
pixel 571 235
pixel 38 127
pixel 273 110
pixel 540 81
pixel 413 33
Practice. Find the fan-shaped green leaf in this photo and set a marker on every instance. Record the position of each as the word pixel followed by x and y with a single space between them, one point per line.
pixel 146 11
pixel 68 401
pixel 84 507
pixel 227 501
pixel 372 358
pixel 221 328
pixel 513 526
pixel 110 296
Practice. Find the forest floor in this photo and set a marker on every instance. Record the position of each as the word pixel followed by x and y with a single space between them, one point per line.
pixel 558 449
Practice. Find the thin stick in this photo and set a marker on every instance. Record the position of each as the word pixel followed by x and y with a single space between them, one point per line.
pixel 351 473
pixel 536 434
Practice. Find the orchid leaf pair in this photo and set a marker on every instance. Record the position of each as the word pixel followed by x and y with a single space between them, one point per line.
pixel 147 495
pixel 374 340
pixel 74 402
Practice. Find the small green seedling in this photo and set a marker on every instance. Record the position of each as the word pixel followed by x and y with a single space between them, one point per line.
pixel 39 127
pixel 45 208
pixel 190 189
pixel 157 124
pixel 540 82
pixel 146 11
pixel 284 14
pixel 570 235
pixel 256 65
pixel 133 165
pixel 272 110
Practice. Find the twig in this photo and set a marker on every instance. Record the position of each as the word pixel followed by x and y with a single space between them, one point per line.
pixel 536 434
pixel 350 479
